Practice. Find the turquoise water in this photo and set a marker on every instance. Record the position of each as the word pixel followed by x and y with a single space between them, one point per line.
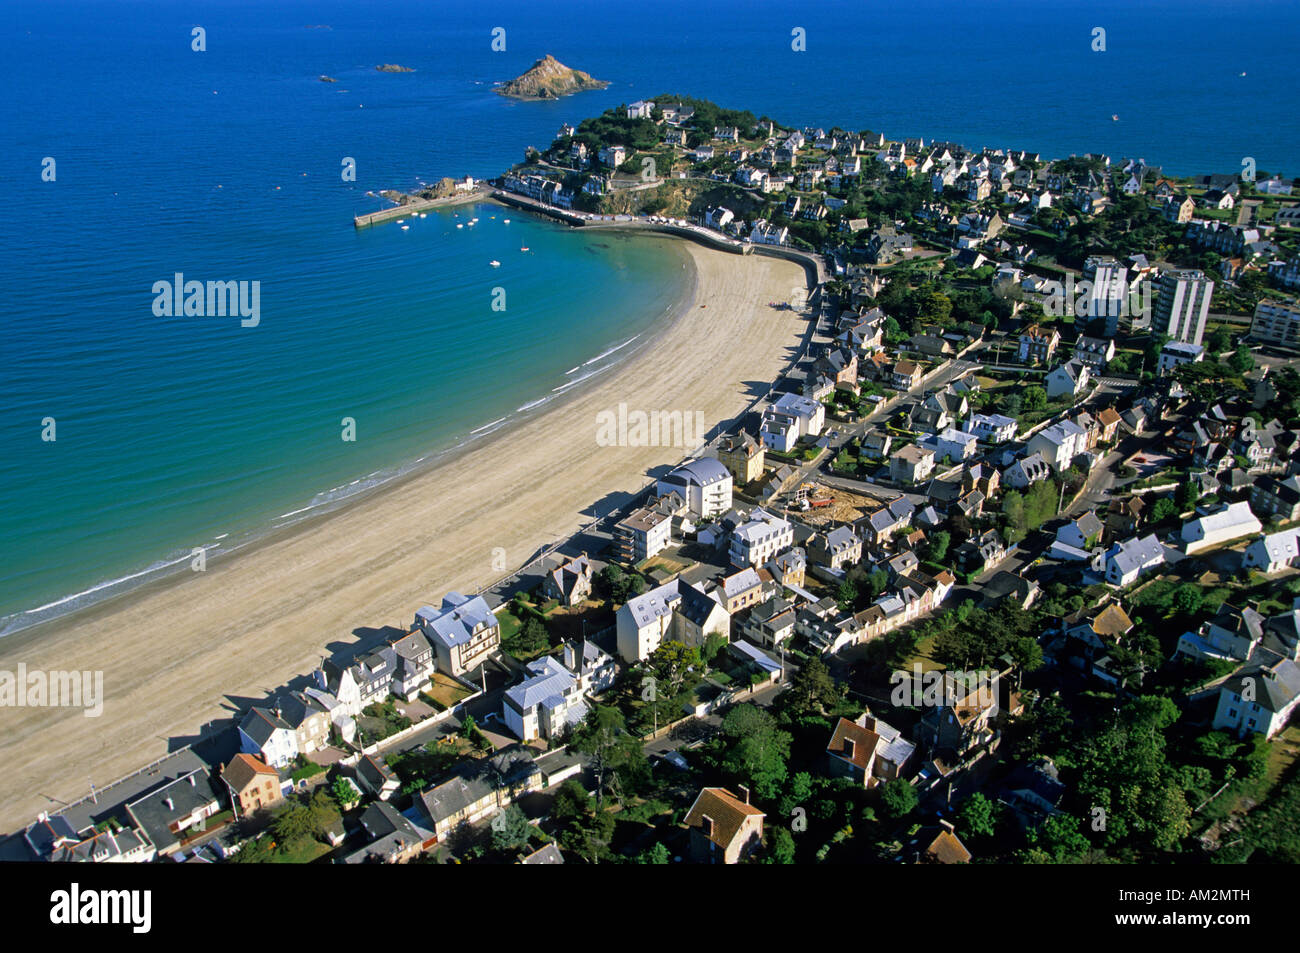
pixel 177 432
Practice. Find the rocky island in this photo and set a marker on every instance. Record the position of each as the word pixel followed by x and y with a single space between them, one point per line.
pixel 394 68
pixel 548 78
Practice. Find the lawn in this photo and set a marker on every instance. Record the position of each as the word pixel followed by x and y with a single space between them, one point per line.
pixel 447 691
pixel 922 655
pixel 301 851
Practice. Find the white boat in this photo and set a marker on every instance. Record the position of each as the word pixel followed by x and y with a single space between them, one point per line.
pixel 400 221
pixel 460 225
pixel 405 227
pixel 495 264
pixel 507 221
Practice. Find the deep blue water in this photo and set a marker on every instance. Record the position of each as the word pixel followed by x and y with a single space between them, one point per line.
pixel 224 164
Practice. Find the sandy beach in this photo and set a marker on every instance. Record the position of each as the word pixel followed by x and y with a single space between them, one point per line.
pixel 201 646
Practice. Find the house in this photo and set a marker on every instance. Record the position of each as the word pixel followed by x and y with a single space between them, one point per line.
pixel 741 590
pixel 905 375
pixel 642 533
pixel 547 701
pixel 1260 698
pixel 769 624
pixel 705 484
pixel 1107 425
pixel 308 718
pixel 1059 444
pixel 253 785
pixel 612 156
pixel 415 661
pixel 1232 634
pixel 1037 345
pixel 879 525
pixel 1026 471
pixel 743 456
pixel 176 811
pixel 992 428
pixel 1232 522
pixel 1082 532
pixel 463 631
pixel 264 733
pixel 1095 352
pixel 1008 587
pixel 724 828
pixel 480 788
pixel 53 839
pixel 676 611
pixel 762 536
pixel 570 582
pixel 1069 378
pixel 952 444
pixel 1033 792
pixel 962 722
pixel 789 568
pixel 376 777
pixel 941 845
pixel 550 854
pixel 789 418
pixel 1177 353
pixel 1090 638
pixel 1274 552
pixel 835 548
pixel 1275 499
pixel 876 444
pixel 390 837
pixel 981 552
pixel 1125 561
pixel 911 464
pixel 868 751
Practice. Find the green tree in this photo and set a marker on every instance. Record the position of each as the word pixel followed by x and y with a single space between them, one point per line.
pixel 898 798
pixel 780 846
pixel 755 749
pixel 937 545
pixel 658 854
pixel 812 690
pixel 978 815
pixel 618 759
pixel 1035 398
pixel 510 829
pixel 1164 509
pixel 1242 361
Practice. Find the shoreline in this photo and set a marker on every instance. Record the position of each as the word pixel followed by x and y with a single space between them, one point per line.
pixel 168 570
pixel 180 652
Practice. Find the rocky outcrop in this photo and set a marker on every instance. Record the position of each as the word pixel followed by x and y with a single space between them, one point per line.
pixel 549 79
pixel 394 68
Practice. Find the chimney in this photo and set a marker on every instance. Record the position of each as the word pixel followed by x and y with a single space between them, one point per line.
pixel 569 662
pixel 706 823
pixel 168 801
pixel 744 793
pixel 948 826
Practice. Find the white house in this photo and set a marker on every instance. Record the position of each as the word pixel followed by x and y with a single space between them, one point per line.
pixel 1177 353
pixel 641 109
pixel 264 733
pixel 1026 471
pixel 1231 522
pixel 1059 444
pixel 463 631
pixel 705 485
pixel 759 538
pixel 789 418
pixel 1069 378
pixel 1260 698
pixel 992 428
pixel 1080 532
pixel 545 702
pixel 676 611
pixel 958 445
pixel 1273 552
pixel 1125 561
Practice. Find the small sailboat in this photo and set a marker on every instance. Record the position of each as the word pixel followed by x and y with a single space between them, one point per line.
pixel 1114 117
pixel 507 221
pixel 494 263
pixel 405 227
pixel 400 221
pixel 524 248
pixel 460 225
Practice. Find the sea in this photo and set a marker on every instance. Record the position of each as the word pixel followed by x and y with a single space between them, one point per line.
pixel 130 440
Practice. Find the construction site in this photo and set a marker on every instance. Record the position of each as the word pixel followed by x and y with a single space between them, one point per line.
pixel 818 505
